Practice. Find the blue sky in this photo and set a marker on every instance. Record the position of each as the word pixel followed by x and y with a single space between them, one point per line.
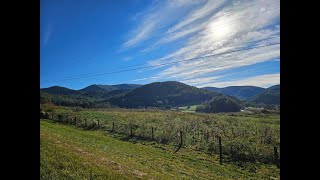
pixel 81 39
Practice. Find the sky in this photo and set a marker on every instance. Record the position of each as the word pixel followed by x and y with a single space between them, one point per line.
pixel 215 43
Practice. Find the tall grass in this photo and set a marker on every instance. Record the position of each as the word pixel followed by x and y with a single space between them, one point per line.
pixel 245 137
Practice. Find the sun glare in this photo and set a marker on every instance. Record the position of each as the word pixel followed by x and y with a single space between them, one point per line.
pixel 219 30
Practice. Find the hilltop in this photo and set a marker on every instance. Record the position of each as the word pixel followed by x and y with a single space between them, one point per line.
pixel 162 94
pixel 240 92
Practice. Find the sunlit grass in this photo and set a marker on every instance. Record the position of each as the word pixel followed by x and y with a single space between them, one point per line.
pixel 68 152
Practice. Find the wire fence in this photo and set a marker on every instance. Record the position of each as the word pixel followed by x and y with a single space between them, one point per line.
pixel 208 140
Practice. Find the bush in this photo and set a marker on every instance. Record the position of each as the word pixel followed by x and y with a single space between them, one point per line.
pixel 240 152
pixel 43 115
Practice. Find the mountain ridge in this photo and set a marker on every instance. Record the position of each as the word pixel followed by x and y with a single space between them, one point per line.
pixel 162 94
pixel 270 96
pixel 240 92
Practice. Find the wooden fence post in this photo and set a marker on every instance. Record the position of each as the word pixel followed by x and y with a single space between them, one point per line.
pixel 180 145
pixel 60 118
pixel 181 138
pixel 75 120
pixel 276 157
pixel 112 126
pixel 152 133
pixel 131 130
pixel 98 124
pixel 193 134
pixel 220 149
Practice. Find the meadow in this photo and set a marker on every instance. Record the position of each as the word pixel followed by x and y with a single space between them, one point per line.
pixel 188 108
pixel 248 142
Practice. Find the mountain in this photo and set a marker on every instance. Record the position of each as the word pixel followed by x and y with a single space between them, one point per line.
pixel 240 92
pixel 86 97
pixel 270 96
pixel 127 86
pixel 108 88
pixel 162 94
pixel 104 94
pixel 97 88
pixel 57 90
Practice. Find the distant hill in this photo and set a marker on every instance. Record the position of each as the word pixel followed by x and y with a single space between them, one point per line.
pixel 159 94
pixel 98 88
pixel 240 92
pixel 57 90
pixel 270 96
pixel 162 94
pixel 86 97
pixel 127 86
pixel 105 94
pixel 108 88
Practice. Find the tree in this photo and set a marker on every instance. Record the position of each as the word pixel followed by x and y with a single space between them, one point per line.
pixel 45 99
pixel 220 104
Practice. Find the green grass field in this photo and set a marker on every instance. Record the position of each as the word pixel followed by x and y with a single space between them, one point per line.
pixel 69 152
pixel 188 108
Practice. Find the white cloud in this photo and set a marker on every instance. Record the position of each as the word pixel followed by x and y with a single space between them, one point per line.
pixel 215 27
pixel 201 80
pixel 266 80
pixel 159 15
pixel 143 79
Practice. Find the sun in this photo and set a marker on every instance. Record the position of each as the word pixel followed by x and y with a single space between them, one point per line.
pixel 219 30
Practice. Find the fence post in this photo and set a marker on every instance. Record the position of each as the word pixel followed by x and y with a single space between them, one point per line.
pixel 60 118
pixel 98 124
pixel 152 133
pixel 75 120
pixel 220 149
pixel 112 126
pixel 181 138
pixel 276 156
pixel 180 145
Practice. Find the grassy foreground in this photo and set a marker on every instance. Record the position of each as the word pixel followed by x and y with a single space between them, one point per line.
pixel 246 137
pixel 67 152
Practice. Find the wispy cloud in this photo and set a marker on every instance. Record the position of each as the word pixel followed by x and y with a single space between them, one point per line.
pixel 47 34
pixel 144 79
pixel 266 80
pixel 214 27
pixel 160 14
